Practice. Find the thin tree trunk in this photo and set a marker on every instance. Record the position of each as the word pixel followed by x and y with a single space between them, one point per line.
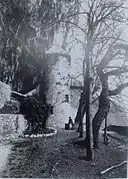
pixel 81 103
pixel 80 114
pixel 106 139
pixel 103 109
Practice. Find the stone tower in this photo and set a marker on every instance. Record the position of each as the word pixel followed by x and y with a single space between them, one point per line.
pixel 59 89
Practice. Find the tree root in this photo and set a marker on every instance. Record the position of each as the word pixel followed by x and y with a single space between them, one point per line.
pixel 54 167
pixel 117 138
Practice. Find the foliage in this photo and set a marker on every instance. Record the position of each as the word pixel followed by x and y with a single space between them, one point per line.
pixel 35 112
pixel 27 30
pixel 14 33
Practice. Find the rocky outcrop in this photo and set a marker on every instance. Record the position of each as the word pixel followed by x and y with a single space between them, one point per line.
pixel 5 92
pixel 11 125
pixel 10 107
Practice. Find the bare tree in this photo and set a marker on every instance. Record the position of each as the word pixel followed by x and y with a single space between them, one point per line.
pixel 102 32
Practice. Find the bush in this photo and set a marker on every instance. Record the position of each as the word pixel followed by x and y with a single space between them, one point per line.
pixel 35 112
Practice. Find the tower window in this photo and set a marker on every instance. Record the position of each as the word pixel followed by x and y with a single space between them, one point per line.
pixel 67 98
pixel 51 110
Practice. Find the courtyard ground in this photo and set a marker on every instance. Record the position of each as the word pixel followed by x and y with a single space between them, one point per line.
pixel 58 157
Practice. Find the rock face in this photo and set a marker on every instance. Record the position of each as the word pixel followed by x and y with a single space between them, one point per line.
pixel 11 125
pixel 10 107
pixel 5 92
pixel 59 92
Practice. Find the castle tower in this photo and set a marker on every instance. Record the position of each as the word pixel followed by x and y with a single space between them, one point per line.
pixel 59 89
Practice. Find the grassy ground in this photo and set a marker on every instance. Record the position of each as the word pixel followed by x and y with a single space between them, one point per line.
pixel 57 157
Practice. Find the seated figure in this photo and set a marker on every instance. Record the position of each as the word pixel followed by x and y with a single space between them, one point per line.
pixel 70 124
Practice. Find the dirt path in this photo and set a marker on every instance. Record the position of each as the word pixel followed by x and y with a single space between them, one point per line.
pixel 57 157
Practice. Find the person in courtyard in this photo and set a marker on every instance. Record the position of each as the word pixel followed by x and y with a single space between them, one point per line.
pixel 71 124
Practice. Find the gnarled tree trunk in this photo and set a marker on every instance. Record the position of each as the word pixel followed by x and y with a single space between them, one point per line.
pixel 103 109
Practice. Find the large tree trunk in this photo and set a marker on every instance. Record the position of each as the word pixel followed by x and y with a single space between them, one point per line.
pixel 103 109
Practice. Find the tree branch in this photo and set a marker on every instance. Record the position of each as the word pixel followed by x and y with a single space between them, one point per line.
pixel 117 72
pixel 108 57
pixel 112 167
pixel 118 90
pixel 104 16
